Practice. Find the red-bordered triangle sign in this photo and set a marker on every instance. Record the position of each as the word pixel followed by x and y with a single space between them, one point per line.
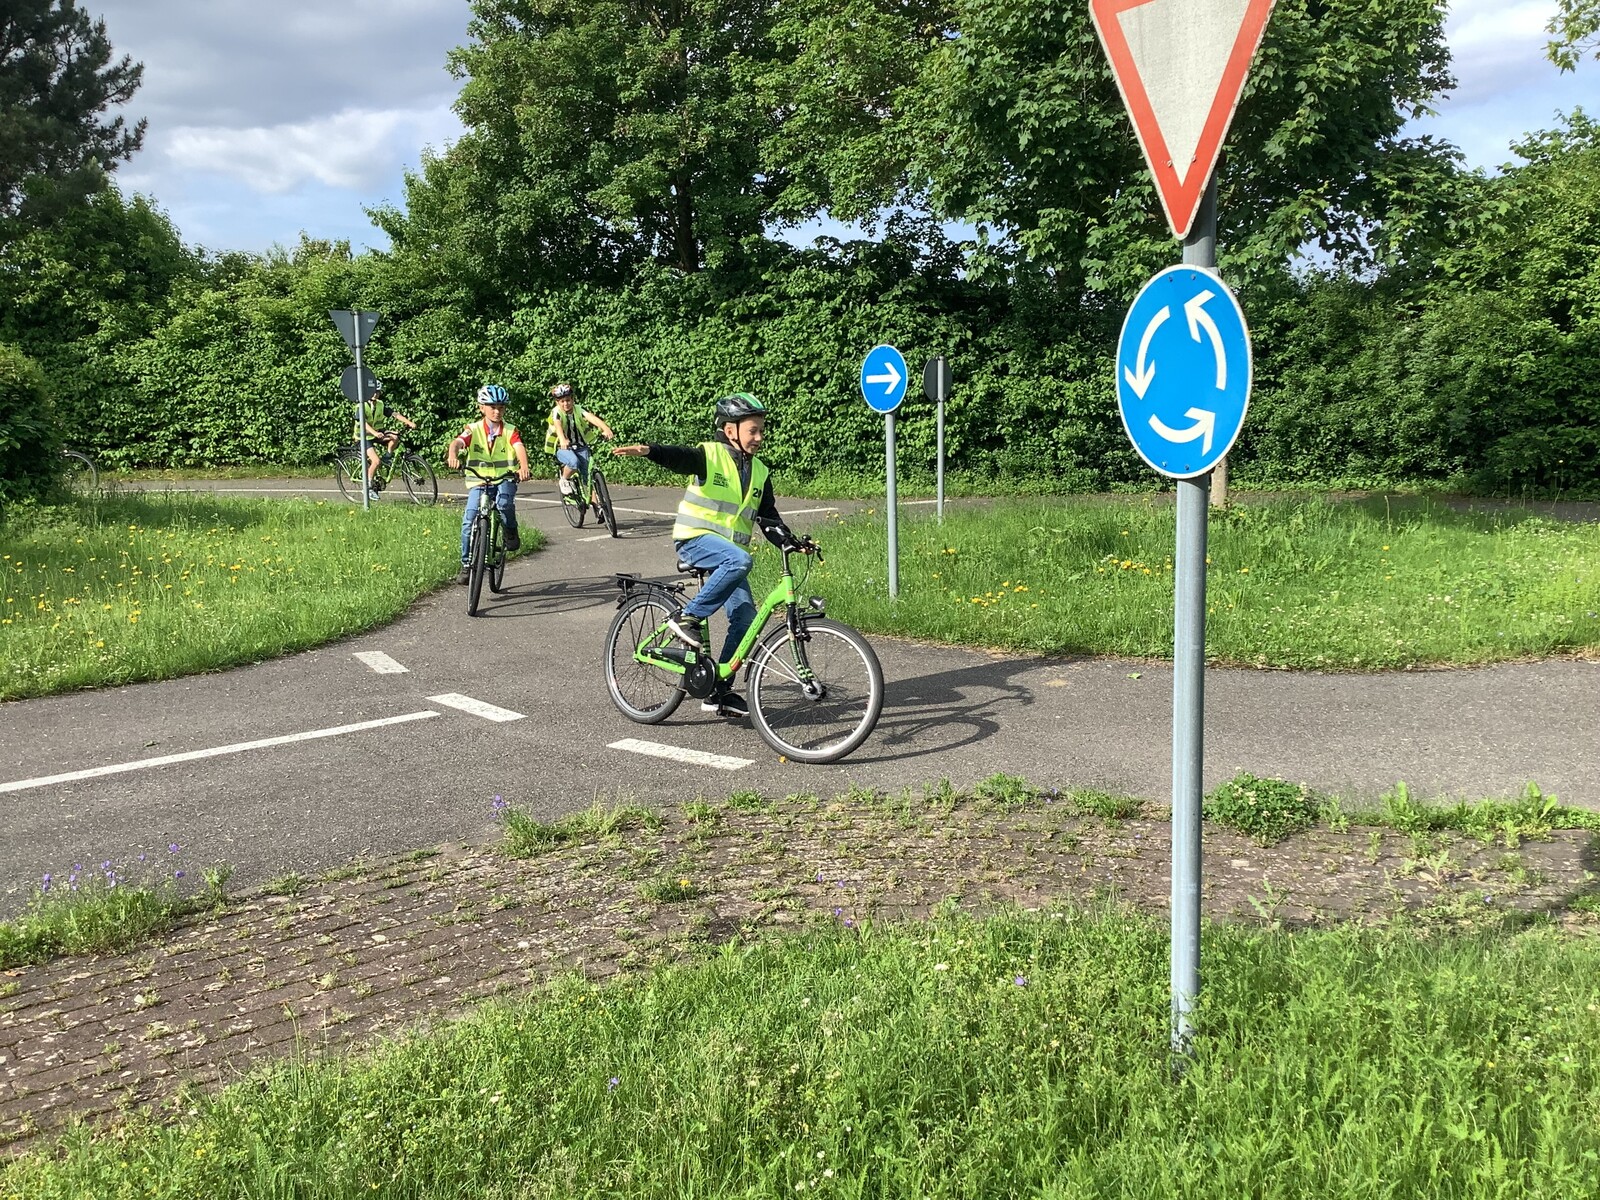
pixel 1181 66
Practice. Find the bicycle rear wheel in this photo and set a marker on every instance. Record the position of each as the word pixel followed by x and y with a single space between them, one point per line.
pixel 420 481
pixel 477 557
pixel 602 497
pixel 644 693
pixel 347 474
pixel 819 705
pixel 81 476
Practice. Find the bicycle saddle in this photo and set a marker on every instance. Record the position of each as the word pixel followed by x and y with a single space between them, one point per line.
pixel 686 569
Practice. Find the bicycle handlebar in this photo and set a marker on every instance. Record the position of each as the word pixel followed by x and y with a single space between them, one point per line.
pixel 501 478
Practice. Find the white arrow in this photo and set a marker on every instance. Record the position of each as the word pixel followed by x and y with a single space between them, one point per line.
pixel 889 381
pixel 1205 425
pixel 1198 318
pixel 1140 377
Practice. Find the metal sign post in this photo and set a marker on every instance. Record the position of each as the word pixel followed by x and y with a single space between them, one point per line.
pixel 1181 69
pixel 357 325
pixel 883 386
pixel 936 386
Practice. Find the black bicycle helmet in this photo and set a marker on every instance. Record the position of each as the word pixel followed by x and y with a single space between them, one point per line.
pixel 737 407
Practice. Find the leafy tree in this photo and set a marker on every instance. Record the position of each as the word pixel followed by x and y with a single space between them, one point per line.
pixel 606 134
pixel 1022 129
pixel 1574 30
pixel 56 82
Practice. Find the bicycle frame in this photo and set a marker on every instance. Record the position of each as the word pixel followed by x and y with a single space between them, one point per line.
pixel 783 595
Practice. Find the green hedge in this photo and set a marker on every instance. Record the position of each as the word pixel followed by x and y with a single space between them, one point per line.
pixel 30 434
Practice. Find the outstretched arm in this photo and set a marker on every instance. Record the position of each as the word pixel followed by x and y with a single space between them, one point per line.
pixel 683 460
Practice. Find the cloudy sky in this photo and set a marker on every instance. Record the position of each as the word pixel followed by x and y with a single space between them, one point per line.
pixel 268 117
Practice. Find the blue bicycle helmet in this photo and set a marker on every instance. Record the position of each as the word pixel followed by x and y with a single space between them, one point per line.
pixel 493 393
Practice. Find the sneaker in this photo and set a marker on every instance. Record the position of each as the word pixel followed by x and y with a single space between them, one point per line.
pixel 691 631
pixel 599 514
pixel 726 704
pixel 564 486
pixel 464 574
pixel 372 495
pixel 513 541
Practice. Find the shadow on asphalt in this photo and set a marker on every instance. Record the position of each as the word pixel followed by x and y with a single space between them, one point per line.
pixel 949 710
pixel 557 596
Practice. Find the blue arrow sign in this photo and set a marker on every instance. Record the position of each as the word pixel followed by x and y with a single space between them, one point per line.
pixel 1184 372
pixel 883 378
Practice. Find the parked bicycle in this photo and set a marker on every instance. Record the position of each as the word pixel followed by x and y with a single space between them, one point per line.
pixel 421 485
pixel 486 544
pixel 80 473
pixel 815 685
pixel 589 493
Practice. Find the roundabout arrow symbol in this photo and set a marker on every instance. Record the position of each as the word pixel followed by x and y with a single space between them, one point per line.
pixel 1205 426
pixel 1144 372
pixel 889 381
pixel 1199 318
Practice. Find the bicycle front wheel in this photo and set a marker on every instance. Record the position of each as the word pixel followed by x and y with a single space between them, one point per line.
pixel 420 481
pixel 497 559
pixel 347 474
pixel 81 476
pixel 602 500
pixel 574 505
pixel 817 700
pixel 644 693
pixel 477 560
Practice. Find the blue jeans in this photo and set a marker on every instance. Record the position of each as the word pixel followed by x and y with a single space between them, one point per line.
pixel 727 587
pixel 576 457
pixel 505 499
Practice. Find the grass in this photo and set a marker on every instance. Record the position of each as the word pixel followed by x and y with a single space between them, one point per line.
pixel 1303 583
pixel 1012 1056
pixel 107 909
pixel 134 586
pixel 527 837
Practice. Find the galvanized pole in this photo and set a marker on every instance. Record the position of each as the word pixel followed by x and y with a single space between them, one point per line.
pixel 1189 693
pixel 361 418
pixel 938 507
pixel 894 531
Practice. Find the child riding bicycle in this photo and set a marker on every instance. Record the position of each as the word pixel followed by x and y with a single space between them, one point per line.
pixel 378 439
pixel 564 435
pixel 730 492
pixel 493 448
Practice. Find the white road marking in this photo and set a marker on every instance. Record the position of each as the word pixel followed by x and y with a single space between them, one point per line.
pixel 478 708
pixel 381 662
pixel 216 751
pixel 699 758
pixel 800 512
pixel 599 537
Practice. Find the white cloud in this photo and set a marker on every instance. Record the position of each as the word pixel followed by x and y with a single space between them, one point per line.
pixel 357 149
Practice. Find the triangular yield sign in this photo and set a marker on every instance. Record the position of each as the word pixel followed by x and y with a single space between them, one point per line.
pixel 1181 66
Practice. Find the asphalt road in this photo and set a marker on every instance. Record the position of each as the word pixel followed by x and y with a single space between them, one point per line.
pixel 430 774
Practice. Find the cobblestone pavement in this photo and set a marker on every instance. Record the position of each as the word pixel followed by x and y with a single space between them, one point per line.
pixel 330 964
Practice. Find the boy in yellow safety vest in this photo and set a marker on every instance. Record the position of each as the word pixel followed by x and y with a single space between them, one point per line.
pixel 564 436
pixel 729 494
pixel 378 438
pixel 493 446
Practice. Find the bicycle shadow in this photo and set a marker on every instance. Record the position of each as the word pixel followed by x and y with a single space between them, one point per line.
pixel 555 596
pixel 948 710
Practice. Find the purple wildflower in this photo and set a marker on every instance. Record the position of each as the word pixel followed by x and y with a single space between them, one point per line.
pixel 1022 981
pixel 172 848
pixel 838 912
pixel 45 886
pixel 106 866
pixel 178 874
pixel 611 1084
pixel 141 858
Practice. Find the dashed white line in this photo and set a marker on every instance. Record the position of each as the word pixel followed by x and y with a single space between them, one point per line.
pixel 215 752
pixel 381 662
pixel 800 512
pixel 699 758
pixel 478 708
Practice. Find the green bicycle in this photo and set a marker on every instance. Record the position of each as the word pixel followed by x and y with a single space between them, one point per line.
pixel 589 481
pixel 420 483
pixel 486 544
pixel 815 685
